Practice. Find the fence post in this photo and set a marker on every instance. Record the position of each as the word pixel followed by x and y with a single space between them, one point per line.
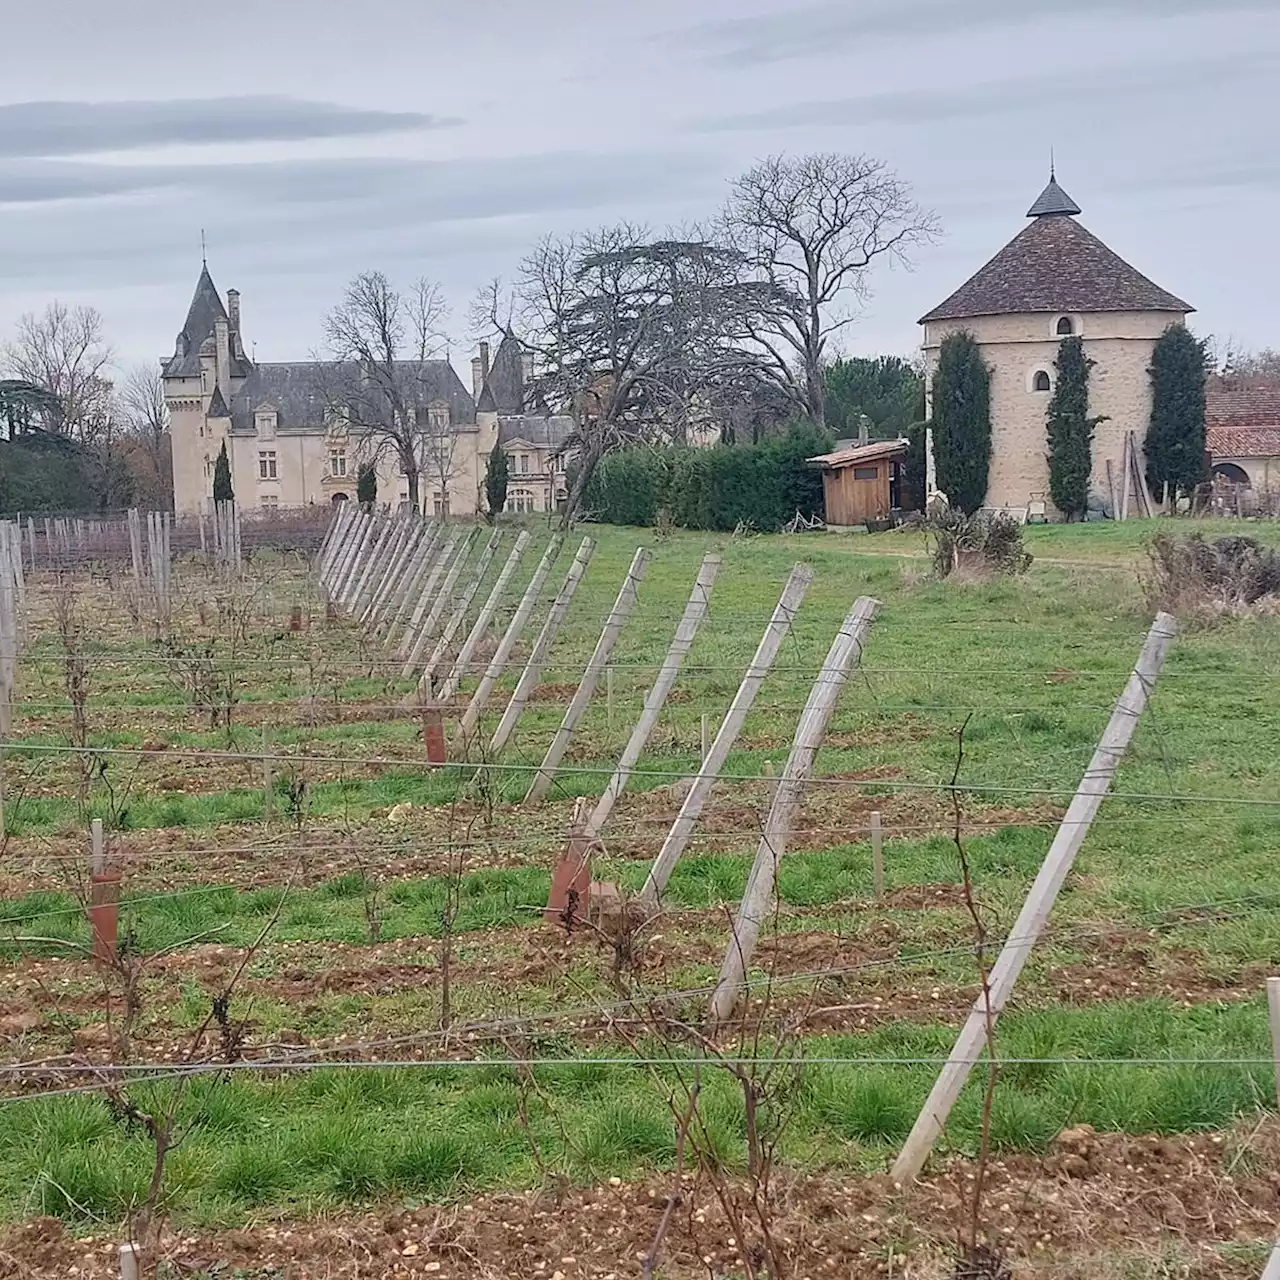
pixel 779 625
pixel 682 642
pixel 268 782
pixel 441 559
pixel 443 597
pixel 1070 835
pixel 459 614
pixel 510 637
pixel 845 651
pixel 129 1262
pixel 1273 1009
pixel 577 707
pixel 532 672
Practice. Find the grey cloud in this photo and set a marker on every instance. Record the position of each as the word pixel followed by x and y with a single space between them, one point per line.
pixel 832 28
pixel 32 129
pixel 433 190
pixel 1096 88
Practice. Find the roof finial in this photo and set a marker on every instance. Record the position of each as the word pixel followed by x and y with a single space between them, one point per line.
pixel 1053 176
pixel 204 253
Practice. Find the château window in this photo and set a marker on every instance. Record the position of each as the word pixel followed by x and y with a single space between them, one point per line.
pixel 522 463
pixel 267 465
pixel 1041 382
pixel 337 462
pixel 440 505
pixel 269 501
pixel 1065 329
pixel 521 500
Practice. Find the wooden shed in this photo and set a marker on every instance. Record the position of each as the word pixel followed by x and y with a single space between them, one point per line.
pixel 862 483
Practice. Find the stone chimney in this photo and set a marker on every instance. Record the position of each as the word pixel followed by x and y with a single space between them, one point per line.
pixel 526 367
pixel 222 341
pixel 477 378
pixel 233 310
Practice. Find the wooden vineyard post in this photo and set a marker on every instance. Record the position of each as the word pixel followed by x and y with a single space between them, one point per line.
pixel 775 632
pixel 419 572
pixel 532 672
pixel 443 597
pixel 386 603
pixel 459 614
pixel 440 561
pixel 268 782
pixel 433 734
pixel 485 616
pixel 595 668
pixel 392 566
pixel 567 902
pixel 877 856
pixel 129 1262
pixel 104 898
pixel 843 655
pixel 510 638
pixel 682 642
pixel 372 568
pixel 704 736
pixel 1070 835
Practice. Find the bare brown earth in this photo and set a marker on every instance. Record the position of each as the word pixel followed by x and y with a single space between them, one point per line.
pixel 1100 1206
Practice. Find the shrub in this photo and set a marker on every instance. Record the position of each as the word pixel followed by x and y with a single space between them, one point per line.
pixel 991 543
pixel 1191 577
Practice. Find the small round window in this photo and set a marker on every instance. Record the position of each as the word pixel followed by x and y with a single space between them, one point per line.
pixel 1065 327
pixel 1041 381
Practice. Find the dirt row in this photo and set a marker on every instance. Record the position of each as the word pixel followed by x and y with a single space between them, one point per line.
pixel 1101 1205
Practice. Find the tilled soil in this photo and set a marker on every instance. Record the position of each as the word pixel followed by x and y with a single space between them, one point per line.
pixel 1202 1207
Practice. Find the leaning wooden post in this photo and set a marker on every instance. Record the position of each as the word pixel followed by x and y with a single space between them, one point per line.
pixel 877 855
pixel 485 616
pixel 1071 834
pixel 682 642
pixel 532 672
pixel 443 597
pixel 1272 1271
pixel 595 668
pixel 419 572
pixel 456 619
pixel 843 655
pixel 268 782
pixel 775 632
pixel 510 638
pixel 427 597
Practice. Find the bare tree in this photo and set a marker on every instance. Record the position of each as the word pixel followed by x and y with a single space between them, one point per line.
pixel 626 335
pixel 380 341
pixel 146 418
pixel 65 351
pixel 811 227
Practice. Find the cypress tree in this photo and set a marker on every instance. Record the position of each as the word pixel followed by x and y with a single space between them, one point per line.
pixel 1070 430
pixel 1175 441
pixel 962 421
pixel 497 473
pixel 366 485
pixel 222 491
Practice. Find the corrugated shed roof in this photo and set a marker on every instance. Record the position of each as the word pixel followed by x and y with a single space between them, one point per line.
pixel 1055 265
pixel 860 453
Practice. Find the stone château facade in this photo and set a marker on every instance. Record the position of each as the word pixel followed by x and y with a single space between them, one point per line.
pixel 1052 280
pixel 287 450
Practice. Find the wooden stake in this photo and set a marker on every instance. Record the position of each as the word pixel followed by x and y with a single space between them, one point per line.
pixel 268 782
pixel 599 660
pixel 129 1262
pixel 442 558
pixel 498 663
pixel 485 617
pixel 877 856
pixel 704 730
pixel 1273 1009
pixel 532 672
pixel 1039 901
pixel 775 632
pixel 843 655
pixel 608 695
pixel 460 611
pixel 443 597
pixel 104 898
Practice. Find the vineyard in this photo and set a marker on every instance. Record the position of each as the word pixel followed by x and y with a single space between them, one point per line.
pixel 396 899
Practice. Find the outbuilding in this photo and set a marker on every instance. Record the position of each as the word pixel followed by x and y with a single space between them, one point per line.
pixel 862 483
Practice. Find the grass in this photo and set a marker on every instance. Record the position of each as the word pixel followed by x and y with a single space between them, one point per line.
pixel 1030 669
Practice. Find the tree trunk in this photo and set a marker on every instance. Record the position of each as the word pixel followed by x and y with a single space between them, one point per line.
pixel 590 459
pixel 411 475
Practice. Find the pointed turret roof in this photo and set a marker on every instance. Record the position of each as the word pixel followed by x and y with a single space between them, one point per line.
pixel 1055 265
pixel 1053 202
pixel 205 310
pixel 504 387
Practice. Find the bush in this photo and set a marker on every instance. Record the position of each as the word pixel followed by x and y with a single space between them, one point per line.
pixel 990 543
pixel 759 486
pixel 1189 576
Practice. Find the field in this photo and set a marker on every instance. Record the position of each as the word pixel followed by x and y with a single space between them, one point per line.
pixel 412 1072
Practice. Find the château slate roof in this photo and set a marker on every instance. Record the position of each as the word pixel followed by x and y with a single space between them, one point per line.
pixel 535 429
pixel 504 388
pixel 1055 265
pixel 205 310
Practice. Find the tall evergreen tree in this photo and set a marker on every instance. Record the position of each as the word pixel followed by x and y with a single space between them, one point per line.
pixel 497 473
pixel 366 485
pixel 1070 429
pixel 962 421
pixel 222 491
pixel 1175 441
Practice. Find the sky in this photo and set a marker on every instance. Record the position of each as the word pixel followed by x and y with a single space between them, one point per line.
pixel 310 140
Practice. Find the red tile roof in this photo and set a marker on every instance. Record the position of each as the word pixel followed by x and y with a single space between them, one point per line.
pixel 861 453
pixel 1242 417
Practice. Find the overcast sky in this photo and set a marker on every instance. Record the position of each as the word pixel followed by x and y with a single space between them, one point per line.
pixel 313 139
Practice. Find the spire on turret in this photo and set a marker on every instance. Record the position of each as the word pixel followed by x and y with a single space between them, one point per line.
pixel 1053 201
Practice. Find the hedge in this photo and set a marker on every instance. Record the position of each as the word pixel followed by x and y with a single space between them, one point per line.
pixel 761 486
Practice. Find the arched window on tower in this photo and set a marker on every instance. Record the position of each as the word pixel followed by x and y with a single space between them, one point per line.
pixel 1065 328
pixel 1041 381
